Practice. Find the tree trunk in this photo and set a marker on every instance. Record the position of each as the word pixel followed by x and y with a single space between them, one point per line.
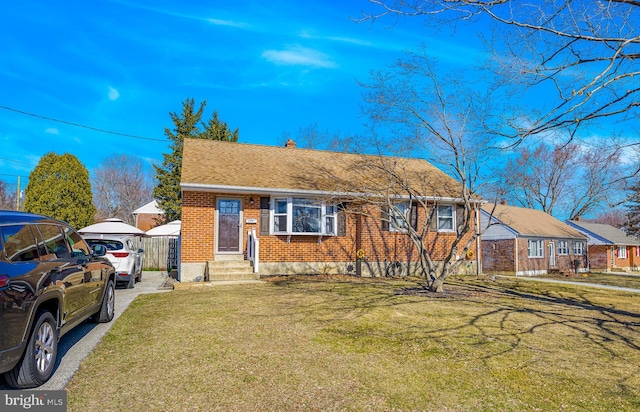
pixel 436 285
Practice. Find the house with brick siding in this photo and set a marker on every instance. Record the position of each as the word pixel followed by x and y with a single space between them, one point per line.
pixel 528 242
pixel 294 209
pixel 148 216
pixel 610 249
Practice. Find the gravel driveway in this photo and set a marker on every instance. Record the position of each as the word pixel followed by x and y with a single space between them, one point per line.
pixel 79 342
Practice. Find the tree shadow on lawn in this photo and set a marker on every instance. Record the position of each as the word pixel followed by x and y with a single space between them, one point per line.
pixel 501 304
pixel 600 324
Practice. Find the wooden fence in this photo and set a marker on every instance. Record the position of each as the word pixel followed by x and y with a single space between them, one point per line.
pixel 159 252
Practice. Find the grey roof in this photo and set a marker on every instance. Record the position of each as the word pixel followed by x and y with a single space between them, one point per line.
pixel 607 234
pixel 531 222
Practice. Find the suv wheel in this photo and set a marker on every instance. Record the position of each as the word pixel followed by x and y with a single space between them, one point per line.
pixel 36 366
pixel 108 304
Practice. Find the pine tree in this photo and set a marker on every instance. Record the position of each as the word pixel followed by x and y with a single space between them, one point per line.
pixel 59 187
pixel 186 125
pixel 632 226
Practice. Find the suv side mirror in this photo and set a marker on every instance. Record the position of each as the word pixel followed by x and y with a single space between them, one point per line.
pixel 99 250
pixel 140 250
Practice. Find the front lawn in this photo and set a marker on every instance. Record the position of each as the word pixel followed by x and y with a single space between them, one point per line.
pixel 306 344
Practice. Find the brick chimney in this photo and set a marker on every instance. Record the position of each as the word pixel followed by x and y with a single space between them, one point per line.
pixel 290 144
pixel 576 219
pixel 503 202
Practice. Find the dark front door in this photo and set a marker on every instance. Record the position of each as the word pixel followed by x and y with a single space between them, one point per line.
pixel 229 225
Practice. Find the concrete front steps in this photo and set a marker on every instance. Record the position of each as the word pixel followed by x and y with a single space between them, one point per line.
pixel 225 270
pixel 229 270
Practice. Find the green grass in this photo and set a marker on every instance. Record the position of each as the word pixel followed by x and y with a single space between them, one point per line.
pixel 304 344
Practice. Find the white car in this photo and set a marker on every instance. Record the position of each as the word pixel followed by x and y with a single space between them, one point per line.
pixel 125 255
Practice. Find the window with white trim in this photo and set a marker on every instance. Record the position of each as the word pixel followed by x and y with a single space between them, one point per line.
pixel 578 248
pixel 621 252
pixel 446 218
pixel 563 247
pixel 399 217
pixel 280 215
pixel 535 248
pixel 299 215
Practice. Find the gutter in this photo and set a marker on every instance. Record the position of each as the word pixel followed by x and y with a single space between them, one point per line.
pixel 200 187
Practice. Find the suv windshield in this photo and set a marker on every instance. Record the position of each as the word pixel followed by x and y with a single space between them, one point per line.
pixel 109 244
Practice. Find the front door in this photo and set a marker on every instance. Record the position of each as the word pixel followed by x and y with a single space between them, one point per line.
pixel 552 254
pixel 229 225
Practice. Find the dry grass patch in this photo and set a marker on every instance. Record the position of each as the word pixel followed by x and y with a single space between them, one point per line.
pixel 338 344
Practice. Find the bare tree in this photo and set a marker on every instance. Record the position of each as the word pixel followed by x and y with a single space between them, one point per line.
pixel 581 55
pixel 418 117
pixel 120 186
pixel 7 196
pixel 614 217
pixel 565 180
pixel 312 137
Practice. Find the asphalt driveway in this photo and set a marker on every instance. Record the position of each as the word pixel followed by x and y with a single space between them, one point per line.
pixel 79 342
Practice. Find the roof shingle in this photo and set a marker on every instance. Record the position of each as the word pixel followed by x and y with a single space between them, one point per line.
pixel 531 222
pixel 209 163
pixel 609 233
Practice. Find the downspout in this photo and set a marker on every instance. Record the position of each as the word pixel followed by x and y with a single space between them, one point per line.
pixel 516 259
pixel 478 242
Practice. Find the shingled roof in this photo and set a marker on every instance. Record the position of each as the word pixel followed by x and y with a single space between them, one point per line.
pixel 531 222
pixel 238 167
pixel 604 234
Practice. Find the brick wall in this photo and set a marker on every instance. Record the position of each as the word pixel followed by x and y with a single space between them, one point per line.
pixel 198 225
pixel 498 255
pixel 198 231
pixel 146 221
pixel 600 257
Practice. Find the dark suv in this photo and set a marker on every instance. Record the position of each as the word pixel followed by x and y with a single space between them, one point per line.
pixel 50 281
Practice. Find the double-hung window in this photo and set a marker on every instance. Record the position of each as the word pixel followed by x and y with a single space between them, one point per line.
pixel 399 217
pixel 280 215
pixel 563 247
pixel 446 218
pixel 621 252
pixel 299 215
pixel 536 248
pixel 578 248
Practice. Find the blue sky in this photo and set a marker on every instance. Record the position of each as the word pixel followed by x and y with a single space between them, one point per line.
pixel 122 66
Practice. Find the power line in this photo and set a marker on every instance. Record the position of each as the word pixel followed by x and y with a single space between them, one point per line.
pixel 95 129
pixel 17 161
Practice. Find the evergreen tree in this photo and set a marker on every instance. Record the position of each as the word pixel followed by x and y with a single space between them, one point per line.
pixel 59 187
pixel 189 124
pixel 632 226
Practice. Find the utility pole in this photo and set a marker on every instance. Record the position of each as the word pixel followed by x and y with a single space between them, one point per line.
pixel 18 195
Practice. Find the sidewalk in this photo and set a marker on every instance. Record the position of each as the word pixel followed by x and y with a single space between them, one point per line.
pixel 568 282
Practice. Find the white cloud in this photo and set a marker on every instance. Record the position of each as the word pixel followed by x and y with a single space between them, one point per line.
pixel 306 34
pixel 52 130
pixel 299 56
pixel 113 94
pixel 229 23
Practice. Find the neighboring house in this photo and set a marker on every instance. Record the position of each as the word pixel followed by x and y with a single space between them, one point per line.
pixel 148 216
pixel 297 203
pixel 610 249
pixel 529 242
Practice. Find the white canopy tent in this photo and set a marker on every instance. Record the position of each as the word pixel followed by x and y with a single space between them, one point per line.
pixel 111 227
pixel 171 229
